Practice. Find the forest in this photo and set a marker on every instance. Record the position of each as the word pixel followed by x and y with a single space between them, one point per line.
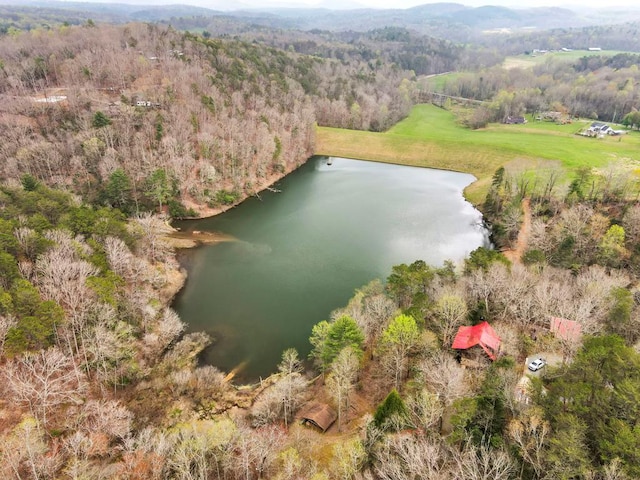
pixel 111 130
pixel 141 115
pixel 600 88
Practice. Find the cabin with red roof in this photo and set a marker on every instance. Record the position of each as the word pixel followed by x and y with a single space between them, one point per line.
pixel 481 334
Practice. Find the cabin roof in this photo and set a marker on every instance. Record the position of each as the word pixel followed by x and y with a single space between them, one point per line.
pixel 321 415
pixel 564 329
pixel 481 334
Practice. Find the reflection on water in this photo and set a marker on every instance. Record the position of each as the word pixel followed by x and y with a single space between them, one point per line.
pixel 302 252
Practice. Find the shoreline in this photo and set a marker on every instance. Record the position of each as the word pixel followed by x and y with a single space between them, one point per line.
pixel 268 181
pixel 185 240
pixel 205 211
pixel 181 239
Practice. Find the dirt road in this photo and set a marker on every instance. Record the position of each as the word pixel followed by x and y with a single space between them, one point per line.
pixel 515 255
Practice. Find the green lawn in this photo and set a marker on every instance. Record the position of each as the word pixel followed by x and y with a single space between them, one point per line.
pixel 436 83
pixel 526 61
pixel 430 137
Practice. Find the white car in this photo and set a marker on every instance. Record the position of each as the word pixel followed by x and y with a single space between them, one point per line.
pixel 536 364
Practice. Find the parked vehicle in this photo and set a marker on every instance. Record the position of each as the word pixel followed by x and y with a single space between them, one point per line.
pixel 536 364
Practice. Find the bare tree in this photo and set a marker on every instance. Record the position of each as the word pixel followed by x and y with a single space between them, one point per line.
pixel 482 463
pixel 341 381
pixel 62 277
pixel 27 239
pixel 631 224
pixel 398 341
pixel 280 401
pixel 406 457
pixel 43 381
pixel 348 457
pixel 254 452
pixel 450 311
pixel 377 310
pixel 107 417
pixel 593 287
pixel 371 309
pixel 292 383
pixel 484 286
pixel 514 295
pixel 529 433
pixel 25 449
pixel 199 448
pixel 425 409
pixel 109 348
pixel 145 455
pixel 614 470
pixel 123 262
pixel 166 330
pixel 445 376
pixel 151 244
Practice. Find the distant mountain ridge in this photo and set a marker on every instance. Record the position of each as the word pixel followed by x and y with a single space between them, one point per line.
pixel 453 21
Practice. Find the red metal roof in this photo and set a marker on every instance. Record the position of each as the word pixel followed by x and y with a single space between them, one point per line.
pixel 481 334
pixel 564 329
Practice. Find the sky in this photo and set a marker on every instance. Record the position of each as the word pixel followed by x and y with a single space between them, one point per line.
pixel 476 3
pixel 221 4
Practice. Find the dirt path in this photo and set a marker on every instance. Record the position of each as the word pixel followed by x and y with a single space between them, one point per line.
pixel 515 255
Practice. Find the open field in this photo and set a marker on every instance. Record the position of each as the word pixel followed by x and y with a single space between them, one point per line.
pixel 527 61
pixel 430 137
pixel 436 83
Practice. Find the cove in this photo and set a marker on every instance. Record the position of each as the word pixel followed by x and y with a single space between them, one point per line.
pixel 299 253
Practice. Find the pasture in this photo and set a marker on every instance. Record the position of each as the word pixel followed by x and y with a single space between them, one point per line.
pixel 430 137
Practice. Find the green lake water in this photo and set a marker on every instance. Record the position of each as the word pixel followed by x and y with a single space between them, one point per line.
pixel 301 252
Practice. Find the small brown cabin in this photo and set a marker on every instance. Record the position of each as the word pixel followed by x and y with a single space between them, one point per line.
pixel 320 415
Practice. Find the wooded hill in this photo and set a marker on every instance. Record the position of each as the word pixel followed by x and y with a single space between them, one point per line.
pixel 178 118
pixel 598 87
pixel 509 30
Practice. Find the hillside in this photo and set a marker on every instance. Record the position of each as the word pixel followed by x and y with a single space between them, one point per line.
pixel 139 115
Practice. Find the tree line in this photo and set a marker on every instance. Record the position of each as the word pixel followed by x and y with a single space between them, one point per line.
pixel 601 88
pixel 618 36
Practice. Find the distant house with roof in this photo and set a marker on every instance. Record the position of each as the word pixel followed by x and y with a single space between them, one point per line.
pixel 514 120
pixel 599 130
pixel 481 334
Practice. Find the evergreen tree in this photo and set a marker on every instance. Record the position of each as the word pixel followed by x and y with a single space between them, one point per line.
pixel 391 413
pixel 100 120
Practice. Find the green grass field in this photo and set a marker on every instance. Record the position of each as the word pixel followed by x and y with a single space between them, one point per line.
pixel 430 137
pixel 527 61
pixel 436 83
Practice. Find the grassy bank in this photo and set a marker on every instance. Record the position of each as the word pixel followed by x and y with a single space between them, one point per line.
pixel 430 137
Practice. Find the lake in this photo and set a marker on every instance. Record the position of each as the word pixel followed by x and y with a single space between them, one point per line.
pixel 333 226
